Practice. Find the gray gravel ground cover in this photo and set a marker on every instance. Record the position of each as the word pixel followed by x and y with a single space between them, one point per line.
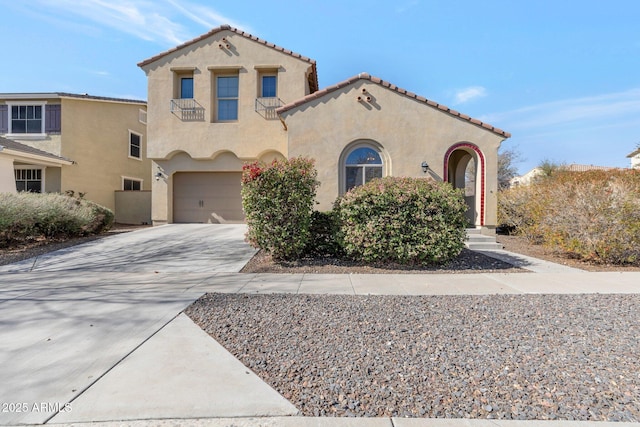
pixel 568 357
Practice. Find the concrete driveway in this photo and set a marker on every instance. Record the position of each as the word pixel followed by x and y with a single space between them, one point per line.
pixel 67 318
pixel 171 248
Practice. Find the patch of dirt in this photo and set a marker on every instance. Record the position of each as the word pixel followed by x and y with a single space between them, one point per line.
pixel 520 245
pixel 467 262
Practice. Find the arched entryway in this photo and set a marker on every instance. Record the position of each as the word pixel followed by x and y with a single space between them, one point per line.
pixel 464 167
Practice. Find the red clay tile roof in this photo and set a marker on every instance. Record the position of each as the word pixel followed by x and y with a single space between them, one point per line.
pixel 366 76
pixel 313 80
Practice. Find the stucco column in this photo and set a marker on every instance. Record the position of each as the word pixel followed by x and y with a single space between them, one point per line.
pixel 7 175
pixel 160 184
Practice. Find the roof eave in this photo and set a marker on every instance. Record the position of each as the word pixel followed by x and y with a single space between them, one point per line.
pixel 216 30
pixel 365 76
pixel 42 160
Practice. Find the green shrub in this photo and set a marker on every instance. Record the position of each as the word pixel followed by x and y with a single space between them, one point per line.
pixel 277 200
pixel 323 232
pixel 404 220
pixel 25 216
pixel 592 215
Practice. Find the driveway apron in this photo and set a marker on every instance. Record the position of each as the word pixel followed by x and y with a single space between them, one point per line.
pixel 69 317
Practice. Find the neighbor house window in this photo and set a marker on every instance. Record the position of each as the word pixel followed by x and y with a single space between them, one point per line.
pixel 186 87
pixel 227 98
pixel 135 147
pixel 29 180
pixel 130 184
pixel 361 166
pixel 27 119
pixel 269 86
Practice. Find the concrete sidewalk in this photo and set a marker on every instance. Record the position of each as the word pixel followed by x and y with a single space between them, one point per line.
pixel 89 341
pixel 142 387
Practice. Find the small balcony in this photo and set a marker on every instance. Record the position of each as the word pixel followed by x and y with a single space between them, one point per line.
pixel 187 109
pixel 267 107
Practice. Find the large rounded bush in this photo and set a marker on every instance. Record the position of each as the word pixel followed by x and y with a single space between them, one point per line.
pixel 25 216
pixel 404 220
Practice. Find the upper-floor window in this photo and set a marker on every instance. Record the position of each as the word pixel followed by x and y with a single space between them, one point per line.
pixel 227 98
pixel 269 86
pixel 135 145
pixel 186 87
pixel 26 119
pixel 30 119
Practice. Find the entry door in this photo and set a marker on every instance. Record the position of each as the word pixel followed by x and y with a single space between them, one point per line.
pixel 207 197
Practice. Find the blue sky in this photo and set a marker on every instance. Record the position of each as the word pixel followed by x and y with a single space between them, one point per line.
pixel 562 76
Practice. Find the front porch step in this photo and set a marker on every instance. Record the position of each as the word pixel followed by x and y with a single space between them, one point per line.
pixel 480 242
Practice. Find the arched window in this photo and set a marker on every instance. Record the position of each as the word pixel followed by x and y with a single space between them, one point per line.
pixel 362 165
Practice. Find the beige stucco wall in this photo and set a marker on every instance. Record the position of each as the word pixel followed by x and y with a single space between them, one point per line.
pixel 205 145
pixel 408 131
pixel 251 134
pixel 95 135
pixel 7 177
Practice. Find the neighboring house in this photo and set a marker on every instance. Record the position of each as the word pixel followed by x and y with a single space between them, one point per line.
pixel 21 167
pixel 635 158
pixel 85 144
pixel 527 178
pixel 227 98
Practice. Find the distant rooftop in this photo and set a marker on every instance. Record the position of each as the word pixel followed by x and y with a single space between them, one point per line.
pixel 56 95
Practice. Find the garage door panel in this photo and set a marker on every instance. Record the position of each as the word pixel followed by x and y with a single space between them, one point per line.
pixel 207 197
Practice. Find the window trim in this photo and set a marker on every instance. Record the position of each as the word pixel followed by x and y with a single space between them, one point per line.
pixel 129 178
pixel 181 79
pixel 361 143
pixel 261 83
pixel 217 98
pixel 11 134
pixel 42 170
pixel 129 145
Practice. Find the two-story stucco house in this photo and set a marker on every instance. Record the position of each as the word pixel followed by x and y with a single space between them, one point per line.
pixel 227 97
pixel 86 144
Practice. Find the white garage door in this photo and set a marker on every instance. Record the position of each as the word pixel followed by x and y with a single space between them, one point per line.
pixel 207 197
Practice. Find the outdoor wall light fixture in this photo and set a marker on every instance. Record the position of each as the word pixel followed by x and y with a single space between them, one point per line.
pixel 425 167
pixel 159 175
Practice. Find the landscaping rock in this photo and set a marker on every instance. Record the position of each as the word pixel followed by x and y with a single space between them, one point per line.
pixel 567 357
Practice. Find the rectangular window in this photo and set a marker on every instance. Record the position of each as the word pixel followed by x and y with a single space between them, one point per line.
pixel 269 86
pixel 135 147
pixel 186 87
pixel 26 119
pixel 29 180
pixel 129 184
pixel 227 98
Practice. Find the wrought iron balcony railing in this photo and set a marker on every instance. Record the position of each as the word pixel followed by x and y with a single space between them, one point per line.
pixel 267 107
pixel 187 109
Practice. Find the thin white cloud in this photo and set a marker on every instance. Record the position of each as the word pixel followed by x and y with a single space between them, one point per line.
pixel 158 21
pixel 599 110
pixel 467 94
pixel 203 15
